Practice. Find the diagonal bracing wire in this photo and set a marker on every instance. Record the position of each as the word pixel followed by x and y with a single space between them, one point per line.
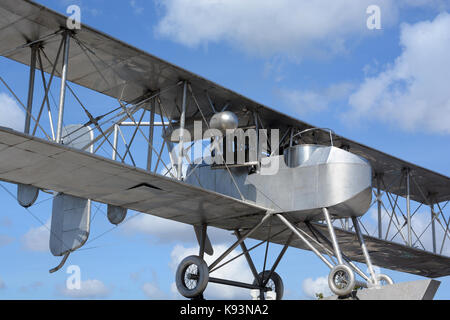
pixel 207 124
pixel 35 216
pixel 23 106
pixel 92 120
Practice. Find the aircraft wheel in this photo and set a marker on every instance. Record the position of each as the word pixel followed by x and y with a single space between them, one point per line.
pixel 384 280
pixel 275 283
pixel 192 277
pixel 341 280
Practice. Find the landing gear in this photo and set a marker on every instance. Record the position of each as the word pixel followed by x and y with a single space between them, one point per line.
pixel 193 274
pixel 341 280
pixel 192 277
pixel 272 282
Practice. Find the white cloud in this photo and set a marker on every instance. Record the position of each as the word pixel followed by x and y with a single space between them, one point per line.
pixel 151 287
pixel 302 102
pixel 412 92
pixel 436 4
pixel 290 27
pixel 168 231
pixel 273 68
pixel 5 240
pixel 37 239
pixel 11 115
pixel 2 284
pixel 88 289
pixel 136 8
pixel 31 288
pixel 5 222
pixel 153 291
pixel 311 287
pixel 163 229
pixel 84 8
pixel 420 222
pixel 236 270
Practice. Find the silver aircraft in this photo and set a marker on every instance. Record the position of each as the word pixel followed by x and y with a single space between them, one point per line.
pixel 268 177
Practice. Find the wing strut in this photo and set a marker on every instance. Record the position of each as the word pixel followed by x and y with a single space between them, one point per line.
pixel 364 250
pixel 203 240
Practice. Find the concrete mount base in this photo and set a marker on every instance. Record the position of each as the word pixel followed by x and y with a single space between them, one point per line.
pixel 415 290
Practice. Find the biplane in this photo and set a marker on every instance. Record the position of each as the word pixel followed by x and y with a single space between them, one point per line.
pixel 267 177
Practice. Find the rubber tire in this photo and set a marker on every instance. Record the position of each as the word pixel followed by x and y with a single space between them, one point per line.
pixel 202 282
pixel 279 286
pixel 386 278
pixel 352 281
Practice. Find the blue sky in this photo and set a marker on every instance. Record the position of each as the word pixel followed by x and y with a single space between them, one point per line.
pixel 385 88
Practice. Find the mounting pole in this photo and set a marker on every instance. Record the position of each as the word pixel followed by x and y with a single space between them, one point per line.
pixel 34 50
pixel 62 95
pixel 181 141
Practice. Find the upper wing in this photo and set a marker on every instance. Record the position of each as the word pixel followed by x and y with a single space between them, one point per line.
pixel 32 161
pixel 112 67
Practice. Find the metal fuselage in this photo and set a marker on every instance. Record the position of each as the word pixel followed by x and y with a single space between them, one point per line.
pixel 307 179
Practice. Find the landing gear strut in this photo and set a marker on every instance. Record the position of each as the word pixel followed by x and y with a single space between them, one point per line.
pixel 341 279
pixel 193 274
